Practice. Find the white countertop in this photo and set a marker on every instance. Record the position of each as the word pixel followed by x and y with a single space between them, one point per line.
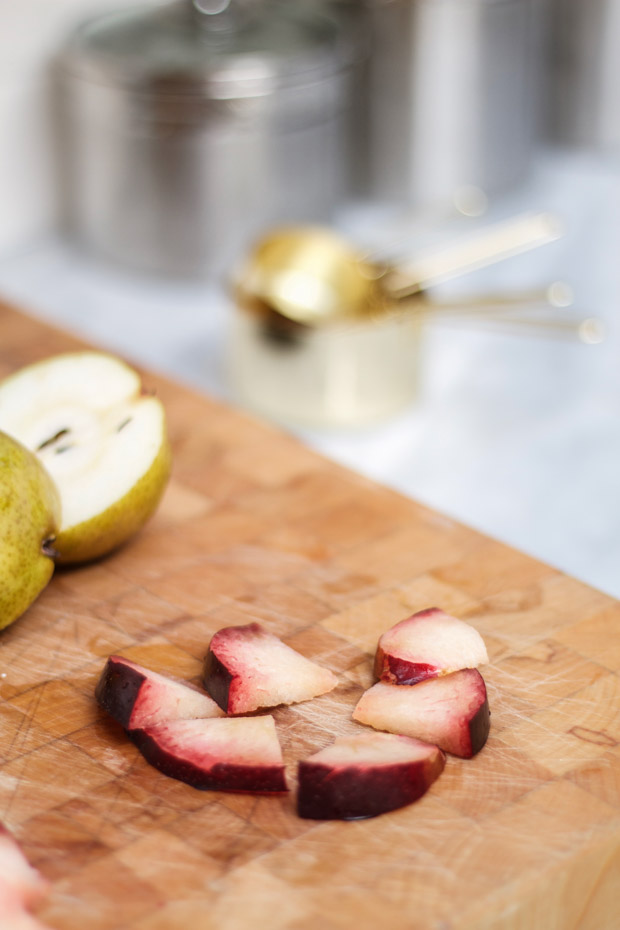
pixel 517 436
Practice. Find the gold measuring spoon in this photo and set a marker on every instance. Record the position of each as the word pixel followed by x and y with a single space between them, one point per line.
pixel 312 276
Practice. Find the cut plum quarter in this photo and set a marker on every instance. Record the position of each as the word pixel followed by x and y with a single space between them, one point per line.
pixel 451 711
pixel 21 887
pixel 426 645
pixel 246 668
pixel 230 754
pixel 19 919
pixel 366 775
pixel 137 697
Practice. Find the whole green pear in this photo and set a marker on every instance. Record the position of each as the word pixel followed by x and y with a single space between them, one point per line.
pixel 29 521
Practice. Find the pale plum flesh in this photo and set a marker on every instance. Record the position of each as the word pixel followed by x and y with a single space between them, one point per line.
pixel 21 887
pixel 137 697
pixel 451 711
pixel 247 668
pixel 426 645
pixel 230 754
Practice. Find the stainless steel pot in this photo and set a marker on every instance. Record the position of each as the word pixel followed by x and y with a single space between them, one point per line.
pixel 452 99
pixel 186 129
pixel 584 70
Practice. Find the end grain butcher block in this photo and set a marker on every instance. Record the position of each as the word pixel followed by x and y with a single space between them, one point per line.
pixel 254 527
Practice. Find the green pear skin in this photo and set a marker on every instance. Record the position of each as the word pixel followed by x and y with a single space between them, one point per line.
pixel 29 518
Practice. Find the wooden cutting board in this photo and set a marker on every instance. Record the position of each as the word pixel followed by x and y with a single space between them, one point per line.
pixel 256 527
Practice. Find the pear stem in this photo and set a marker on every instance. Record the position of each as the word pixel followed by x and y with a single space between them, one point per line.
pixel 47 548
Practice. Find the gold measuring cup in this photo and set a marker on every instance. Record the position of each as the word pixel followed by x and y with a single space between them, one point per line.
pixel 309 275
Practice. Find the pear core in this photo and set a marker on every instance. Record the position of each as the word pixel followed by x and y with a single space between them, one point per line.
pixel 103 442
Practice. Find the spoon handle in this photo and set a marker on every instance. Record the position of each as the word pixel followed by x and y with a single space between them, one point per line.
pixel 589 330
pixel 504 309
pixel 557 296
pixel 490 245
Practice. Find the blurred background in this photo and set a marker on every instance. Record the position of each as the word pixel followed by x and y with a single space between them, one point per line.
pixel 450 329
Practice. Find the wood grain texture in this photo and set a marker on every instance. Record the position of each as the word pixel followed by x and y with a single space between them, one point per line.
pixel 256 527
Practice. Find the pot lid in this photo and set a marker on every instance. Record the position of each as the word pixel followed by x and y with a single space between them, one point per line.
pixel 229 47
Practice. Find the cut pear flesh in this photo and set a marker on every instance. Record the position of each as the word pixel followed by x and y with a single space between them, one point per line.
pixel 97 460
pixel 102 441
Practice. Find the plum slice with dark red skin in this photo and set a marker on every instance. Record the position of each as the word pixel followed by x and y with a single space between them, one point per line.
pixel 247 668
pixel 237 754
pixel 451 711
pixel 428 644
pixel 366 775
pixel 137 697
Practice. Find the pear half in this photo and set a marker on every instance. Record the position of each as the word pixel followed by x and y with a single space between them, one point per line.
pixel 102 440
pixel 29 520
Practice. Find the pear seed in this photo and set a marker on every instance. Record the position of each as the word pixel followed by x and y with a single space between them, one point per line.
pixel 52 439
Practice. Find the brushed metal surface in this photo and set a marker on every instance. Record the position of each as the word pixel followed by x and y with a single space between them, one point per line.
pixel 584 65
pixel 176 168
pixel 452 88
